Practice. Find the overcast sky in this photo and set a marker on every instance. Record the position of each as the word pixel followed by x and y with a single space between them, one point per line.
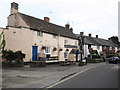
pixel 98 17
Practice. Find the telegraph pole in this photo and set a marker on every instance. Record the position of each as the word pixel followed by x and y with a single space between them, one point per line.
pixel 81 43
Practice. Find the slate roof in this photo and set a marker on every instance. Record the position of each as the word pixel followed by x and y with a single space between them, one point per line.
pixel 97 41
pixel 74 51
pixel 41 25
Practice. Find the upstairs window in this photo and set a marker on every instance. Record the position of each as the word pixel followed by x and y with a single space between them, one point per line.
pixel 40 33
pixel 104 47
pixel 75 43
pixel 65 42
pixel 98 47
pixel 110 48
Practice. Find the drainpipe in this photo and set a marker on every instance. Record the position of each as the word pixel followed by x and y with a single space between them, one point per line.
pixel 58 46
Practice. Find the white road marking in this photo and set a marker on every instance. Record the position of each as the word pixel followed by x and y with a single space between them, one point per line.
pixel 69 78
pixel 115 67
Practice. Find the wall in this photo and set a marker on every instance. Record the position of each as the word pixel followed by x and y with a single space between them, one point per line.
pixel 19 39
pixel 61 44
pixel 58 42
pixel 86 51
pixel 16 21
pixel 47 40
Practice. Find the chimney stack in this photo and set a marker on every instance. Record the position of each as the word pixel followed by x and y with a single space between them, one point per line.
pixel 96 36
pixel 14 8
pixel 90 35
pixel 71 29
pixel 67 26
pixel 81 33
pixel 46 19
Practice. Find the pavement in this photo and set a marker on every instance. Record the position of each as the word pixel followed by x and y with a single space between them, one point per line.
pixel 40 77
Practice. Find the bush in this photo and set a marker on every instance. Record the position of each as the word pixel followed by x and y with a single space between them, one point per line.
pixel 110 55
pixel 96 56
pixel 8 55
pixel 13 57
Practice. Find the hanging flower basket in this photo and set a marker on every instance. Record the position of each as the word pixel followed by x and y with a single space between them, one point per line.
pixel 67 49
pixel 54 49
pixel 44 47
pixel 61 49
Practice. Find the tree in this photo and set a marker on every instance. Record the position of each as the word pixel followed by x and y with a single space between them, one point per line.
pixel 114 39
pixel 2 42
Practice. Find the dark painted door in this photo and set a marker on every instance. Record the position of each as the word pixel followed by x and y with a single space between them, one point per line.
pixel 34 53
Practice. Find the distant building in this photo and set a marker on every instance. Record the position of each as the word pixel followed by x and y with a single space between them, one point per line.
pixel 95 45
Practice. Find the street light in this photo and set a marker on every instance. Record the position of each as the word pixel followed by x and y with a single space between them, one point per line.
pixel 81 43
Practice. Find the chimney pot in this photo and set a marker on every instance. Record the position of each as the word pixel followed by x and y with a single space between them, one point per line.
pixel 14 8
pixel 90 35
pixel 71 29
pixel 46 19
pixel 81 33
pixel 96 36
pixel 67 26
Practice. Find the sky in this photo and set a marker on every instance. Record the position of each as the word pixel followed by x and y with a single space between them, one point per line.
pixel 98 17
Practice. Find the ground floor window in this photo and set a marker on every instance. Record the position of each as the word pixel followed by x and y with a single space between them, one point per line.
pixel 89 46
pixel 98 47
pixel 65 55
pixel 47 50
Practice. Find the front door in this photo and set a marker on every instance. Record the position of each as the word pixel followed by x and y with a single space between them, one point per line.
pixel 77 53
pixel 34 53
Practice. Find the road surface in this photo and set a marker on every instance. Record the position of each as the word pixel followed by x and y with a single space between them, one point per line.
pixel 104 76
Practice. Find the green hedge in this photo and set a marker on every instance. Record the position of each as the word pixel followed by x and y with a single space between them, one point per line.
pixel 96 56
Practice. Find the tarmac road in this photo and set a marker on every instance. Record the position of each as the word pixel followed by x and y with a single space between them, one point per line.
pixel 104 76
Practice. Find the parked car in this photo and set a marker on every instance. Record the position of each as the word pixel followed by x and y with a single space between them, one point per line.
pixel 114 60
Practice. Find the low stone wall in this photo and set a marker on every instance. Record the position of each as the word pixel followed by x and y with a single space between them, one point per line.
pixel 94 60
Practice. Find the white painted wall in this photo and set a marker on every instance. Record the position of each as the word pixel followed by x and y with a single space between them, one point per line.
pixel 23 39
pixel 19 39
pixel 86 50
pixel 15 20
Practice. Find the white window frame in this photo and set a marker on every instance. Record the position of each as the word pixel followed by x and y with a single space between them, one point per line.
pixel 110 48
pixel 47 50
pixel 65 54
pixel 104 47
pixel 76 43
pixel 65 42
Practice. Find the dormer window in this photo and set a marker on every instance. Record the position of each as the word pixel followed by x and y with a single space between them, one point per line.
pixel 40 33
pixel 104 47
pixel 54 36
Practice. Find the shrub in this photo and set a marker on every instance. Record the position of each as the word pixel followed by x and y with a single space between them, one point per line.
pixel 8 55
pixel 109 55
pixel 96 56
pixel 13 57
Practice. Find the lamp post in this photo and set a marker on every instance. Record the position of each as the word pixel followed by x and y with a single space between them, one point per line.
pixel 81 43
